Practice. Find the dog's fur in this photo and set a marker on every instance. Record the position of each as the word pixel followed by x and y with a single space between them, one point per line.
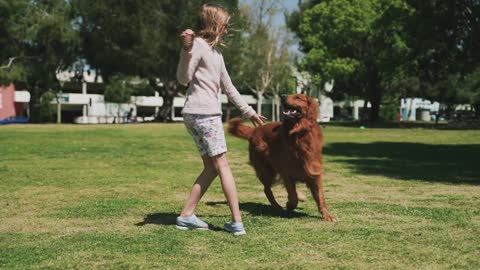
pixel 291 148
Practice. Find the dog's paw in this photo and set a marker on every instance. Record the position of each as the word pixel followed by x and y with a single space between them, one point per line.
pixel 328 217
pixel 292 205
pixel 277 207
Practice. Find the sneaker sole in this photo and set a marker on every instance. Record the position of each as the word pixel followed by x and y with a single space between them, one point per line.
pixel 190 228
pixel 239 233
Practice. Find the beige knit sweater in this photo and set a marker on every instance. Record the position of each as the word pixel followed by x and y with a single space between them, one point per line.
pixel 203 67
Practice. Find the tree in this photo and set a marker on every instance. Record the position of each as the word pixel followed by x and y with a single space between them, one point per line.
pixel 360 44
pixel 235 42
pixel 38 41
pixel 383 50
pixel 445 47
pixel 471 89
pixel 265 53
pixel 281 82
pixel 138 38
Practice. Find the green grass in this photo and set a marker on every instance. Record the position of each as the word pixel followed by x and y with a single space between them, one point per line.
pixel 106 197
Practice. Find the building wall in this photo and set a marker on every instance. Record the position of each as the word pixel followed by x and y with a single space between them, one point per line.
pixel 7 102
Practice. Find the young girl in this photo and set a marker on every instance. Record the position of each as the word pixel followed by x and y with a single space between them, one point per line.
pixel 203 67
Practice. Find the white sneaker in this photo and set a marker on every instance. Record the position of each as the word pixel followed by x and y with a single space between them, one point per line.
pixel 191 223
pixel 235 227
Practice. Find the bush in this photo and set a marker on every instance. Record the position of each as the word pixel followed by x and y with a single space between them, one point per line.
pixel 389 112
pixel 48 111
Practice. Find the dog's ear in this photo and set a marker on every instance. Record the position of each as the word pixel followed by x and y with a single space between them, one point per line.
pixel 309 119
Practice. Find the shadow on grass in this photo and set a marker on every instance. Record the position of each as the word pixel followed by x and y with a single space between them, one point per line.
pixel 259 209
pixel 255 209
pixel 168 219
pixel 454 164
pixel 159 219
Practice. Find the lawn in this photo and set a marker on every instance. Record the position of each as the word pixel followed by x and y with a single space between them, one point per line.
pixel 96 197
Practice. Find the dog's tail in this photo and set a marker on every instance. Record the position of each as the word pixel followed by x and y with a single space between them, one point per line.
pixel 236 128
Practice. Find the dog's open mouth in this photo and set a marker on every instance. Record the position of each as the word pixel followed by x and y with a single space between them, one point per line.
pixel 291 112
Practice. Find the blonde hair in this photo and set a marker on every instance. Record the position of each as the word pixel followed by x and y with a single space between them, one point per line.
pixel 212 23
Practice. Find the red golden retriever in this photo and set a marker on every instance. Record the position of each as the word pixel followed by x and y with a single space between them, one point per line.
pixel 291 149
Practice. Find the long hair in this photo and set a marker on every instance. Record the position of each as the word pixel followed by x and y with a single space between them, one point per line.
pixel 212 23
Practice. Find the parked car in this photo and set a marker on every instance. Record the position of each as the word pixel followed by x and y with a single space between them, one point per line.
pixel 14 120
pixel 462 115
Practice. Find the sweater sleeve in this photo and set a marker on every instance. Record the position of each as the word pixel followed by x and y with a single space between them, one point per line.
pixel 233 94
pixel 188 63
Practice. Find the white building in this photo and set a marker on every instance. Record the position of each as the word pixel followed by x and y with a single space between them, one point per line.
pixel 412 109
pixel 84 103
pixel 355 107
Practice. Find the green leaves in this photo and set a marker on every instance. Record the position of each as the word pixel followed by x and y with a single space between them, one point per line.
pixel 40 36
pixel 266 63
pixel 359 43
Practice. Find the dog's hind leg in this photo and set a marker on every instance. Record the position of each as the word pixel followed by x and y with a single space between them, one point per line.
pixel 316 187
pixel 271 198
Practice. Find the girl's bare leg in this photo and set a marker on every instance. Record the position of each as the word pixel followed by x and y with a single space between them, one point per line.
pixel 200 186
pixel 228 185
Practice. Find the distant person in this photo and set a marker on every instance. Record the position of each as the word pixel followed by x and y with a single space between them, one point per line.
pixel 202 65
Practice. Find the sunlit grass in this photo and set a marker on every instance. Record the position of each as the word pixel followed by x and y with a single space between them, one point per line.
pixel 95 197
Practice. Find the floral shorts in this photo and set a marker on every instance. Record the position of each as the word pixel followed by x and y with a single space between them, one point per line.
pixel 207 132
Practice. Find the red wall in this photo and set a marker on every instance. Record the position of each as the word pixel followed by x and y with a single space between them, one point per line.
pixel 7 101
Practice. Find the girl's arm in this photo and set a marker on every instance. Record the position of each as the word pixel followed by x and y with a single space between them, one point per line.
pixel 188 63
pixel 233 94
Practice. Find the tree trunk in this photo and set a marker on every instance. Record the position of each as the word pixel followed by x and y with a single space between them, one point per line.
pixel 167 91
pixel 165 112
pixel 477 110
pixel 259 102
pixel 277 108
pixel 449 112
pixel 363 115
pixel 35 106
pixel 375 111
pixel 273 109
pixel 375 102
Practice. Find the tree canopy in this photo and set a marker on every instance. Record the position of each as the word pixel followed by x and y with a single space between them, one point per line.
pixel 266 60
pixel 377 50
pixel 38 40
pixel 138 38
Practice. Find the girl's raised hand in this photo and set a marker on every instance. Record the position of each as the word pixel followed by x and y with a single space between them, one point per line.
pixel 258 119
pixel 187 39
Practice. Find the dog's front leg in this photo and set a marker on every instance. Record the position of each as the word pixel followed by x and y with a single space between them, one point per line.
pixel 292 194
pixel 316 188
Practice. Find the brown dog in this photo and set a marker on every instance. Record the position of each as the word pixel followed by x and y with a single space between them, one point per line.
pixel 291 148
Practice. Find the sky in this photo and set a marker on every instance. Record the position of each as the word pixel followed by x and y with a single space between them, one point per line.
pixel 279 20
